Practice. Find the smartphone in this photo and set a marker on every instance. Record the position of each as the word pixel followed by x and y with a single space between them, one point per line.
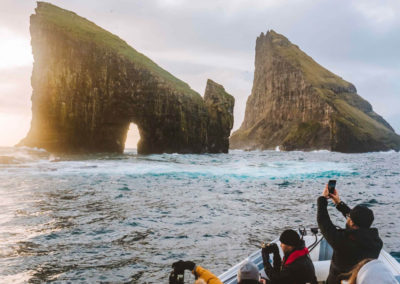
pixel 331 186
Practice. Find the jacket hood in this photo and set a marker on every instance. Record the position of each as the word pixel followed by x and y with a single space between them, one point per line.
pixel 296 254
pixel 368 238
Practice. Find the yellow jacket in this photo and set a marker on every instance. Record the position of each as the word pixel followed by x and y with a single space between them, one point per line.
pixel 206 275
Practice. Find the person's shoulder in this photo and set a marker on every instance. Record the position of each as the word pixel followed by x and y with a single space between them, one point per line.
pixel 302 266
pixel 363 233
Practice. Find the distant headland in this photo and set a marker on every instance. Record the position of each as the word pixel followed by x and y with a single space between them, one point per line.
pixel 297 104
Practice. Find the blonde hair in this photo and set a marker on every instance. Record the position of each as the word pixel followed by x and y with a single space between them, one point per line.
pixel 352 274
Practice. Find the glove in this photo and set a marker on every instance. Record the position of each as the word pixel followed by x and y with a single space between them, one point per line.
pixel 274 248
pixel 270 248
pixel 182 265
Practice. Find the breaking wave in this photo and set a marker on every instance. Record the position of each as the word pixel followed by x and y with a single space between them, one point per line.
pixel 126 218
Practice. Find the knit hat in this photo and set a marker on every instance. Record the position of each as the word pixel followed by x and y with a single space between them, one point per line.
pixel 248 271
pixel 362 216
pixel 374 272
pixel 290 238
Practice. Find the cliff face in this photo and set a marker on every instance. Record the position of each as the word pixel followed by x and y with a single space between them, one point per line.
pixel 89 85
pixel 297 104
pixel 220 107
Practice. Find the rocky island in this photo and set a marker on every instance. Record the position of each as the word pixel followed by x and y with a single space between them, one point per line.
pixel 89 85
pixel 297 104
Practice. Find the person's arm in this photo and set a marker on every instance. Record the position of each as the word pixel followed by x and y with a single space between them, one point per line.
pixel 197 270
pixel 206 275
pixel 343 208
pixel 267 265
pixel 277 259
pixel 340 205
pixel 269 270
pixel 328 230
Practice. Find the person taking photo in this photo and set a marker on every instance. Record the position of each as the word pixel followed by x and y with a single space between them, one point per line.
pixel 352 244
pixel 296 266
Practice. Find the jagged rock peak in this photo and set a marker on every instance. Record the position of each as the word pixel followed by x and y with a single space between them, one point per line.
pixel 216 91
pixel 220 107
pixel 274 38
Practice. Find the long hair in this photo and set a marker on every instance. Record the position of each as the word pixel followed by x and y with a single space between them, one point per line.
pixel 352 274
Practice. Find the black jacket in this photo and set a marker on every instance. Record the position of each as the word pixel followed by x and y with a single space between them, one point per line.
pixel 349 246
pixel 299 271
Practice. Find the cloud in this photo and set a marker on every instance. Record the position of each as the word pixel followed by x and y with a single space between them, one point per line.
pixel 197 40
pixel 14 15
pixel 383 13
pixel 15 89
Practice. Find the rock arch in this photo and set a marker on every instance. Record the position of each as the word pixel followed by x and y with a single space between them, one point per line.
pixel 89 85
pixel 132 136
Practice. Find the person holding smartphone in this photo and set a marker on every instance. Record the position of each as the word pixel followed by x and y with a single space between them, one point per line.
pixel 352 244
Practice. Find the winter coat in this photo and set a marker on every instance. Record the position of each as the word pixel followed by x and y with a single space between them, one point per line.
pixel 296 268
pixel 206 275
pixel 350 246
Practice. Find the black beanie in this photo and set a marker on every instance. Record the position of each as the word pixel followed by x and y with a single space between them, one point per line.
pixel 290 238
pixel 362 216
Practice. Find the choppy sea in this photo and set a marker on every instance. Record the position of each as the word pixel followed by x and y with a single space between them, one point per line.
pixel 127 218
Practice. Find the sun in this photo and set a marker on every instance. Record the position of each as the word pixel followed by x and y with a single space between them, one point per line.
pixel 15 50
pixel 15 57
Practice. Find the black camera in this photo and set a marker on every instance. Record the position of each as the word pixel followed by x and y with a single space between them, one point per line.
pixel 177 277
pixel 269 248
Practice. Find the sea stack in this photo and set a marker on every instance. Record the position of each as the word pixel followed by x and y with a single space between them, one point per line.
pixel 89 85
pixel 297 104
pixel 220 108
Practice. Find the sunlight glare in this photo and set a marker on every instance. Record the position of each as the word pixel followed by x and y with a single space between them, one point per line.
pixel 13 127
pixel 15 51
pixel 133 136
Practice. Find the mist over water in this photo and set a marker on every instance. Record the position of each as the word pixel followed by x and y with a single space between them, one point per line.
pixel 122 218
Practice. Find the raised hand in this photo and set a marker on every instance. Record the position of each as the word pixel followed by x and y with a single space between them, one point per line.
pixel 335 197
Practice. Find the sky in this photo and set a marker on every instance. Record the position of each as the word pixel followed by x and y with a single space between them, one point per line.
pixel 359 40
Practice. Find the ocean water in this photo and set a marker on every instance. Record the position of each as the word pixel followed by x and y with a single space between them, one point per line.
pixel 127 218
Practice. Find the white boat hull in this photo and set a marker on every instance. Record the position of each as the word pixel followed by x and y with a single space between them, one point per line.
pixel 321 256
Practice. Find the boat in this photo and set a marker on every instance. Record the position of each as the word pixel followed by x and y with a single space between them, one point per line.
pixel 320 254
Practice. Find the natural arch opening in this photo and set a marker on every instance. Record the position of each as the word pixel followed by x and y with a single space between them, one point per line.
pixel 132 137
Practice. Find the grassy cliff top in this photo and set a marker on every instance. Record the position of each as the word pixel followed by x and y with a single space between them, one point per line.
pixel 313 72
pixel 82 29
pixel 220 90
